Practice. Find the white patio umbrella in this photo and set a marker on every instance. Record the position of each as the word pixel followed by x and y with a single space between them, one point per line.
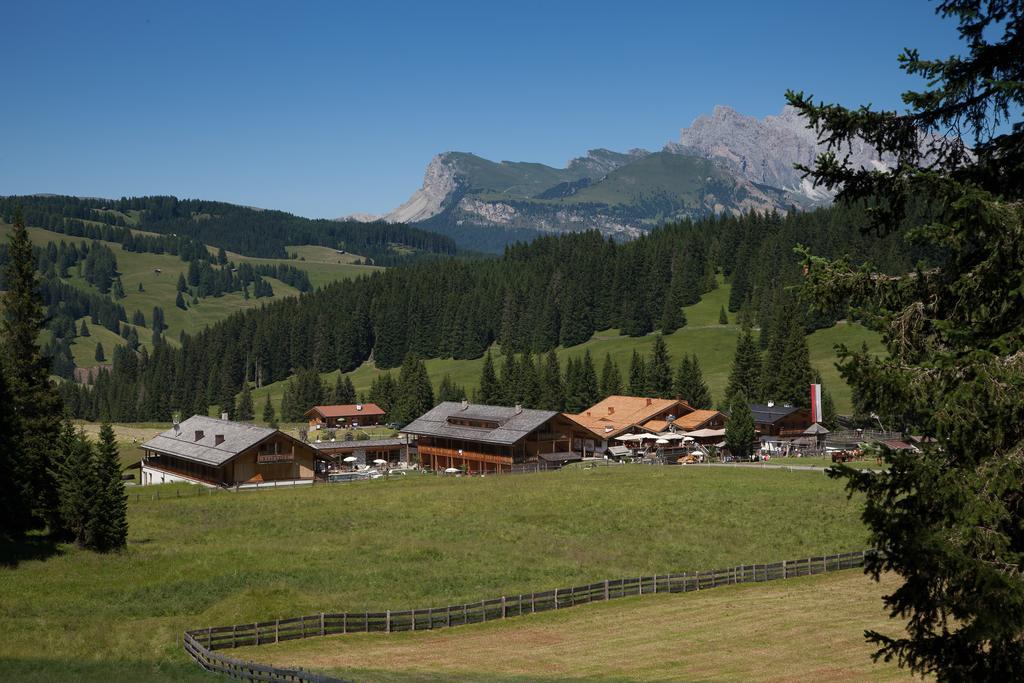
pixel 661 441
pixel 351 458
pixel 380 461
pixel 452 470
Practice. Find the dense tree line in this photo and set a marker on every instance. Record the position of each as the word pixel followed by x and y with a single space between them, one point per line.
pixel 554 291
pixel 252 232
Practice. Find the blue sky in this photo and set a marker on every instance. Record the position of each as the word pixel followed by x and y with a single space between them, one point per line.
pixel 325 109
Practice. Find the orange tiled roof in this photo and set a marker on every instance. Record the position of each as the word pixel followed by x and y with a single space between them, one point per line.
pixel 694 420
pixel 615 414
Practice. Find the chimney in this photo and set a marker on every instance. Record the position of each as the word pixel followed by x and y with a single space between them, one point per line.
pixel 224 416
pixel 588 413
pixel 199 434
pixel 648 401
pixel 519 409
pixel 465 404
pixel 218 439
pixel 611 410
pixel 359 406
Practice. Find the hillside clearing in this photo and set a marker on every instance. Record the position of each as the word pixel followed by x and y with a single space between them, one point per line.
pixel 231 558
pixel 810 628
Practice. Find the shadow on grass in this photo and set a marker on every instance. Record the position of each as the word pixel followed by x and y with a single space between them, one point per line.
pixel 385 676
pixel 102 671
pixel 32 547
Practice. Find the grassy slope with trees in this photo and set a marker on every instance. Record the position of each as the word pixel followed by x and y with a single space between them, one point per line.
pixel 419 540
pixel 160 289
pixel 713 343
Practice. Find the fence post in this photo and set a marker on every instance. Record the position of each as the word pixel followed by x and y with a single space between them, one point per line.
pixel 503 612
pixel 556 598
pixel 447 616
pixel 785 570
pixel 277 631
pixel 387 622
pixel 606 589
pixel 321 623
pixel 209 638
pixel 234 637
pixel 344 622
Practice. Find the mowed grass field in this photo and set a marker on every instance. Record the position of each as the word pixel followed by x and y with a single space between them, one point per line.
pixel 804 629
pixel 203 560
pixel 160 289
pixel 713 343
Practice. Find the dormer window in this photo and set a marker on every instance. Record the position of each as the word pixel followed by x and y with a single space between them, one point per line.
pixel 199 434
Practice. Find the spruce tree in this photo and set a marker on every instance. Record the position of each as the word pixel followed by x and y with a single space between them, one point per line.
pixel 659 370
pixel 84 331
pixel 739 429
pixel 723 317
pixel 797 373
pixel 34 398
pixel 637 375
pixel 107 527
pixel 179 301
pixel 79 488
pixel 589 391
pixel 99 355
pixel 15 502
pixel 948 520
pixel 244 409
pixel 490 390
pixel 449 390
pixel 611 378
pixel 529 376
pixel 689 383
pixel 552 389
pixel 511 387
pixel 745 376
pixel 269 416
pixel 344 391
pixel 414 392
pixel 575 399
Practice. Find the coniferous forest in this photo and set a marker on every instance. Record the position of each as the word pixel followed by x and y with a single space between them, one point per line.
pixel 554 291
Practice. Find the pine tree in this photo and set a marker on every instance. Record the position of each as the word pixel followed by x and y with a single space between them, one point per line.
pixel 689 383
pixel 100 355
pixel 529 377
pixel 107 527
pixel 659 370
pixel 244 409
pixel 589 391
pixel 739 429
pixel 611 378
pixel 414 393
pixel 797 373
pixel 33 396
pixel 179 301
pixel 948 520
pixel 723 317
pixel 510 381
pixel 745 376
pixel 575 399
pixel 78 486
pixel 269 417
pixel 344 391
pixel 552 390
pixel 449 391
pixel 637 375
pixel 490 390
pixel 182 285
pixel 14 496
pixel 84 331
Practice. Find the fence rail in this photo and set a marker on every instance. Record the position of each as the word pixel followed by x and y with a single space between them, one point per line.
pixel 201 644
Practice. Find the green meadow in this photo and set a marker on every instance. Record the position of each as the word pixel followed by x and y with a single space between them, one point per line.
pixel 207 559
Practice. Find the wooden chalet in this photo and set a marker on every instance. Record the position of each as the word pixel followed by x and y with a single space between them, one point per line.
pixel 480 438
pixel 595 429
pixel 783 421
pixel 344 416
pixel 211 452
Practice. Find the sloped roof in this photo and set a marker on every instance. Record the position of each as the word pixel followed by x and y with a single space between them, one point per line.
pixel 180 441
pixel 365 443
pixel 346 410
pixel 764 414
pixel 513 424
pixel 622 412
pixel 695 419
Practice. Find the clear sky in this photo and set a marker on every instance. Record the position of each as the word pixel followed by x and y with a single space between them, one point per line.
pixel 330 108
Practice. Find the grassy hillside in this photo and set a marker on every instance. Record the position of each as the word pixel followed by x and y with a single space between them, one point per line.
pixel 161 288
pixel 811 628
pixel 713 343
pixel 417 540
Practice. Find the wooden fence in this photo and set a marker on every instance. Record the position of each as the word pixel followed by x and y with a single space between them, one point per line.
pixel 202 643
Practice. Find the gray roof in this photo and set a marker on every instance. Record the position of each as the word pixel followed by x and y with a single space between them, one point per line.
pixel 513 423
pixel 365 443
pixel 764 414
pixel 181 441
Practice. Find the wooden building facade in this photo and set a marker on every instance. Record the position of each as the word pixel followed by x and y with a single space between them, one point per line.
pixel 211 452
pixel 482 439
